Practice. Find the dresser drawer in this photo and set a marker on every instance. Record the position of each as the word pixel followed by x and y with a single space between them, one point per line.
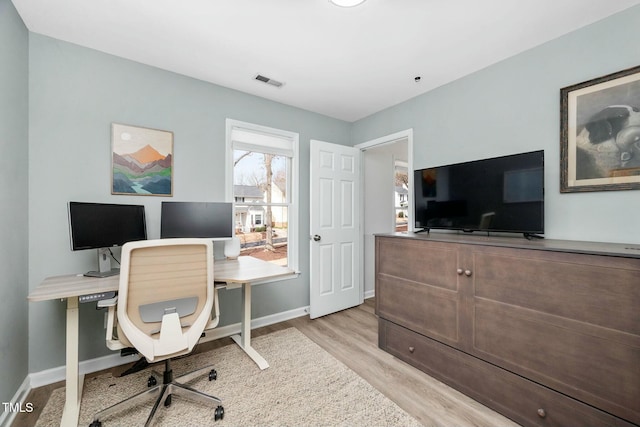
pixel 426 299
pixel 399 258
pixel 524 401
pixel 420 307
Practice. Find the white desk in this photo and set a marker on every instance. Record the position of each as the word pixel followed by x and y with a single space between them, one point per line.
pixel 70 288
pixel 246 272
pixel 242 272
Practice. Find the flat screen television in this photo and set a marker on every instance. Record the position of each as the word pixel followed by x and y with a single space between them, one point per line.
pixel 501 194
pixel 102 226
pixel 196 219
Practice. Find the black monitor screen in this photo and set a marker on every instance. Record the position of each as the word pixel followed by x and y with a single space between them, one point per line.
pixel 502 194
pixel 103 225
pixel 196 219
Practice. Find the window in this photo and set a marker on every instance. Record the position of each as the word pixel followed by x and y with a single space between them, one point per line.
pixel 401 198
pixel 262 167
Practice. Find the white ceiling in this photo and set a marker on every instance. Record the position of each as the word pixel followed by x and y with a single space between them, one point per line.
pixel 345 63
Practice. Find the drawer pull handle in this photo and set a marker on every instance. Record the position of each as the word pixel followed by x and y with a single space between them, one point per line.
pixel 542 413
pixel 460 271
pixel 412 349
pixel 467 273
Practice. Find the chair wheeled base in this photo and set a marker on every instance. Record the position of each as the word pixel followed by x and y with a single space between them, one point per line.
pixel 165 391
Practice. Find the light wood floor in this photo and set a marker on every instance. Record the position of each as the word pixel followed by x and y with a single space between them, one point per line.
pixel 351 336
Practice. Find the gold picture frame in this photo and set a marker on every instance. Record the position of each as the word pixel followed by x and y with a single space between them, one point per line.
pixel 141 161
pixel 600 133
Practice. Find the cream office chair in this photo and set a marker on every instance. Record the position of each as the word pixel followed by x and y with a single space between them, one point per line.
pixel 165 300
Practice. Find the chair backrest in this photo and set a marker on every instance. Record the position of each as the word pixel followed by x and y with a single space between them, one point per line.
pixel 172 276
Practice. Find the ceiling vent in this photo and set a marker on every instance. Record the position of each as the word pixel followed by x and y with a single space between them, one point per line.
pixel 268 81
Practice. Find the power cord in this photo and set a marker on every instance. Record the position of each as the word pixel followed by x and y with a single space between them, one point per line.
pixel 113 256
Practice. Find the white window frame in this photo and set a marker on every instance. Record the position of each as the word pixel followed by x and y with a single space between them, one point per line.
pixel 280 142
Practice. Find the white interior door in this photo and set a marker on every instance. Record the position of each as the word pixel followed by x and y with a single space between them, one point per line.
pixel 335 233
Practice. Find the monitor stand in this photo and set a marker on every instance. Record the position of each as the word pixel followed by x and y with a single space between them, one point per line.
pixel 104 265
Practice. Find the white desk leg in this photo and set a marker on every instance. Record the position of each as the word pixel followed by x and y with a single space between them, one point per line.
pixel 244 339
pixel 74 380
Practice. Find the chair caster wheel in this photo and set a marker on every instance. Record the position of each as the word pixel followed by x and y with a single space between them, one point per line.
pixel 167 401
pixel 96 423
pixel 219 413
pixel 213 375
pixel 152 381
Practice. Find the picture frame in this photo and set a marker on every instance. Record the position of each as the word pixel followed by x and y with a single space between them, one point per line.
pixel 141 161
pixel 600 133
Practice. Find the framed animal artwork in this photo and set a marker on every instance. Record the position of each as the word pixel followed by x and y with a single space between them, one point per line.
pixel 600 133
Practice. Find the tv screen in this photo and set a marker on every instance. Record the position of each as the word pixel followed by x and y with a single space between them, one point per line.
pixel 501 194
pixel 196 219
pixel 104 225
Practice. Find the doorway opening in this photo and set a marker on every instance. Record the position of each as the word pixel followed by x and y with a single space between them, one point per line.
pixel 387 205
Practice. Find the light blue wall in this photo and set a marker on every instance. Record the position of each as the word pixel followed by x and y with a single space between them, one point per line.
pixel 75 95
pixel 512 107
pixel 14 73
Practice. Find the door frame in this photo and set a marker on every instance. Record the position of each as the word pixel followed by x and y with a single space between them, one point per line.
pixel 379 142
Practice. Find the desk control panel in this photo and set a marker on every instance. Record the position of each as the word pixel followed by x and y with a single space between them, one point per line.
pixel 97 296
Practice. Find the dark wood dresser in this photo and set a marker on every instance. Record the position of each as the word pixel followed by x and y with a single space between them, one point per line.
pixel 546 332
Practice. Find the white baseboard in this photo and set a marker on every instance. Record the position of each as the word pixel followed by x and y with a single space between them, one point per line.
pixel 369 294
pixel 53 375
pixel 227 331
pixel 7 417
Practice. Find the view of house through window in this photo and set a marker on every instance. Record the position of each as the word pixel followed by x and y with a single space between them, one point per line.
pixel 262 173
pixel 401 196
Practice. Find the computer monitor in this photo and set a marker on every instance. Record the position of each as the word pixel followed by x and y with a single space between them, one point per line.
pixel 102 226
pixel 196 219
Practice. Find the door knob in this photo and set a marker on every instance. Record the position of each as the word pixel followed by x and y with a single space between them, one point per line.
pixel 316 238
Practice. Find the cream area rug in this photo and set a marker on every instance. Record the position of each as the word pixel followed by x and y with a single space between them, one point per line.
pixel 303 386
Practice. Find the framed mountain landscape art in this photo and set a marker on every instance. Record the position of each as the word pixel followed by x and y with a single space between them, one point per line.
pixel 142 161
